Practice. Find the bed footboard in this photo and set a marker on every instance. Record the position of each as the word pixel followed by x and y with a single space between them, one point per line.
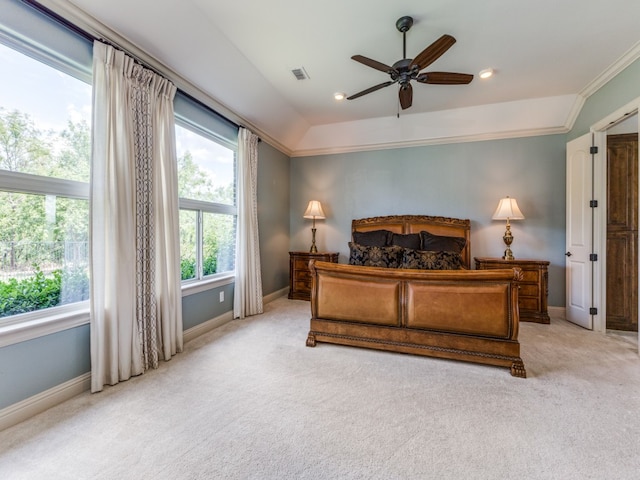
pixel 463 315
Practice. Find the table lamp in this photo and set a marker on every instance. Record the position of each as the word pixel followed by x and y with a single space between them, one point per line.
pixel 314 210
pixel 508 210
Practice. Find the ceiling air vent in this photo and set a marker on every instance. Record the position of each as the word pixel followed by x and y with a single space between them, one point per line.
pixel 300 73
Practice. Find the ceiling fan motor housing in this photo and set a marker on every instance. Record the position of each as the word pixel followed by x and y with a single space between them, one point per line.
pixel 403 72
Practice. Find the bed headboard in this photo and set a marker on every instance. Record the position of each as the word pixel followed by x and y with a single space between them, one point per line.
pixel 451 227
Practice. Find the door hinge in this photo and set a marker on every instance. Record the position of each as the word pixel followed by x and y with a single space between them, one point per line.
pixel 593 150
pixel 593 311
pixel 593 203
pixel 593 257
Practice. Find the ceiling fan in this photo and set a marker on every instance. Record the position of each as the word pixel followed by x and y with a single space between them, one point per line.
pixel 407 69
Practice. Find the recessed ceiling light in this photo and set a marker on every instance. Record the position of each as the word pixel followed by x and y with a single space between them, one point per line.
pixel 339 95
pixel 486 73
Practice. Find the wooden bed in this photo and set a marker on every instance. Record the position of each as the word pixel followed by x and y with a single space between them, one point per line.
pixel 462 314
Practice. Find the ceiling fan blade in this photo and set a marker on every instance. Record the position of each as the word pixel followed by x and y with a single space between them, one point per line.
pixel 444 78
pixel 406 95
pixel 433 52
pixel 373 63
pixel 370 89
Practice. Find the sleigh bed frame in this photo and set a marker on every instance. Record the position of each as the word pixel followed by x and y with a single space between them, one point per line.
pixel 460 314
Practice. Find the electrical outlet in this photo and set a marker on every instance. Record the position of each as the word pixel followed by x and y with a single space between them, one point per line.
pixel 222 296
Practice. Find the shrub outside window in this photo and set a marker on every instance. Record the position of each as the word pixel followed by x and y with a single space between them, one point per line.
pixel 45 150
pixel 206 187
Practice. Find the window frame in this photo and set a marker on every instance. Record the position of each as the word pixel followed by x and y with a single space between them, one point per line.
pixel 45 36
pixel 208 282
pixel 30 325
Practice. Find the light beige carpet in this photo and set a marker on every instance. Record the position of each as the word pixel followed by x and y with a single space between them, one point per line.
pixel 251 401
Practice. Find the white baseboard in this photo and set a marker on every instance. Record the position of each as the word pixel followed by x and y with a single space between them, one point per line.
pixel 18 412
pixel 275 295
pixel 557 312
pixel 226 317
pixel 207 326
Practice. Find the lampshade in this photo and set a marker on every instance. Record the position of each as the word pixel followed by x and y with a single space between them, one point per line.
pixel 314 210
pixel 508 210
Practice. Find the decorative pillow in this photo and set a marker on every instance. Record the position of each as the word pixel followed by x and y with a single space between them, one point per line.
pixel 437 243
pixel 431 260
pixel 368 256
pixel 409 240
pixel 373 238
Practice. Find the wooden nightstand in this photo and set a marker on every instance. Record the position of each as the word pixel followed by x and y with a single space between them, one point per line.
pixel 299 275
pixel 534 288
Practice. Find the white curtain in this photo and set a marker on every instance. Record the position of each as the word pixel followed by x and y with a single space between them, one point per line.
pixel 247 298
pixel 136 315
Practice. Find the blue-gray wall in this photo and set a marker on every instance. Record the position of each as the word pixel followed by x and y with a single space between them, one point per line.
pixel 273 217
pixel 464 180
pixel 31 367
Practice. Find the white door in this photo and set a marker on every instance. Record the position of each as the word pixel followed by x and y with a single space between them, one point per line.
pixel 579 234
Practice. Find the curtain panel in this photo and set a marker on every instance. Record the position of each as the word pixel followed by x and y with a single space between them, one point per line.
pixel 136 315
pixel 247 299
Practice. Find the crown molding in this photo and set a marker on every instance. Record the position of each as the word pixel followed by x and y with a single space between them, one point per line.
pixel 614 69
pixel 574 112
pixel 522 118
pixel 432 141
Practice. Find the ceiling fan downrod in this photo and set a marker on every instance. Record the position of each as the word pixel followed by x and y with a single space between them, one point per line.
pixel 403 25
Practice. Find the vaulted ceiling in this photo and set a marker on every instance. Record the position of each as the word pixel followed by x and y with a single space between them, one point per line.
pixel 548 55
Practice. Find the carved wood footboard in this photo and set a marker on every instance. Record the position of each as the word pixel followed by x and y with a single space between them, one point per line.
pixel 460 315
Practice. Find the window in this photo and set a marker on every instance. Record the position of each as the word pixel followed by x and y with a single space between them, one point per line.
pixel 45 144
pixel 45 150
pixel 206 187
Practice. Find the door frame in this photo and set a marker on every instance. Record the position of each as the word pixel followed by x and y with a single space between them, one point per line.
pixel 599 131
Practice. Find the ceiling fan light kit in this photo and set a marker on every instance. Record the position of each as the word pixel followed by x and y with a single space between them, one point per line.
pixel 407 69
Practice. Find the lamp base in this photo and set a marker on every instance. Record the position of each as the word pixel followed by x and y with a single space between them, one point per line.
pixel 508 239
pixel 313 249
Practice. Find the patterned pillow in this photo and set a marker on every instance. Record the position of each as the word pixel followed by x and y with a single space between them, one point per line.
pixel 373 238
pixel 368 256
pixel 431 260
pixel 441 242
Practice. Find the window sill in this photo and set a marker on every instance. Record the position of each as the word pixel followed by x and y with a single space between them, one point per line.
pixel 28 326
pixel 198 286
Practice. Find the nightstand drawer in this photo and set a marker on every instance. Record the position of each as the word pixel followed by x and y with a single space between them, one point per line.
pixel 528 290
pixel 532 294
pixel 303 275
pixel 299 274
pixel 301 264
pixel 302 286
pixel 528 303
pixel 530 276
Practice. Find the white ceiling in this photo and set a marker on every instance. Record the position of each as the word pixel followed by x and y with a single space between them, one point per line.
pixel 547 54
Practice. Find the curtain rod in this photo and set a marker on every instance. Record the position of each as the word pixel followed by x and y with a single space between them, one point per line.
pixel 88 36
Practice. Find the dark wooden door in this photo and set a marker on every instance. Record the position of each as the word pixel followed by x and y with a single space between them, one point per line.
pixel 622 232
